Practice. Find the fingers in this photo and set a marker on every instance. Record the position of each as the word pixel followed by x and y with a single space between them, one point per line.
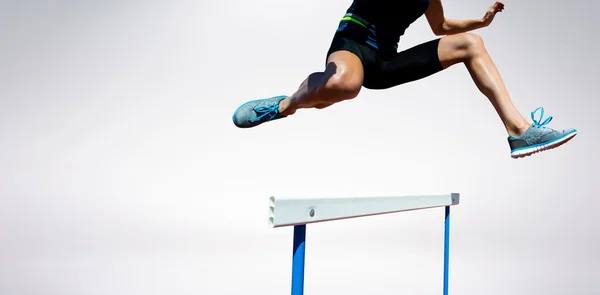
pixel 498 6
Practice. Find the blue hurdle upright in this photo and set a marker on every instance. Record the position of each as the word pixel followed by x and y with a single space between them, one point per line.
pixel 299 212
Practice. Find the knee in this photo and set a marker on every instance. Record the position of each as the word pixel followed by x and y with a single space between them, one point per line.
pixel 340 86
pixel 472 44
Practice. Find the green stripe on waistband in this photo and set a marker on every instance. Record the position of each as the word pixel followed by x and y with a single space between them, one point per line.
pixel 356 19
pixel 349 18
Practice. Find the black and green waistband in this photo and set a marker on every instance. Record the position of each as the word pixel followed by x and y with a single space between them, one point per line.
pixel 353 18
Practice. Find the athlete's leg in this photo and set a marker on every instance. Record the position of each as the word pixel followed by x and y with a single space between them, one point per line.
pixel 469 49
pixel 436 55
pixel 341 80
pixel 524 138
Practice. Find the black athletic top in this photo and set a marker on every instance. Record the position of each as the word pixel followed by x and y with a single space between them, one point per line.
pixel 380 23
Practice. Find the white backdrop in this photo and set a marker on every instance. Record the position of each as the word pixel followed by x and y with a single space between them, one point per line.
pixel 122 172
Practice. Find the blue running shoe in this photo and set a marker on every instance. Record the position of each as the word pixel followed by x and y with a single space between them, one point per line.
pixel 538 138
pixel 258 111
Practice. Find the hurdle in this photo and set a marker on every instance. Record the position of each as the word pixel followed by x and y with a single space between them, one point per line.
pixel 298 212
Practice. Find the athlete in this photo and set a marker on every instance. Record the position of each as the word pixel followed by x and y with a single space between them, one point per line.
pixel 364 53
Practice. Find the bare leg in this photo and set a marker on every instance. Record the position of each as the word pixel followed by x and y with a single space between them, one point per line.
pixel 341 80
pixel 469 49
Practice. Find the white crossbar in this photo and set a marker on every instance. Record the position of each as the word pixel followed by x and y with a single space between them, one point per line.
pixel 298 211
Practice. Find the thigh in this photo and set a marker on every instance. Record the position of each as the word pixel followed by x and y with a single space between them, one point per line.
pixel 406 66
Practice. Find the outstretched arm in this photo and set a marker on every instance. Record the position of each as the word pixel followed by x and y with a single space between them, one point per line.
pixel 440 25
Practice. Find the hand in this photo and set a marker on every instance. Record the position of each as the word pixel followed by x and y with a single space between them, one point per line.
pixel 491 12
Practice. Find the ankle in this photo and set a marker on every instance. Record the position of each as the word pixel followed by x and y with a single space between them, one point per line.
pixel 518 129
pixel 285 107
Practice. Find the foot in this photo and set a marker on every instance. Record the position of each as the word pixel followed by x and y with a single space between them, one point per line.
pixel 258 111
pixel 538 138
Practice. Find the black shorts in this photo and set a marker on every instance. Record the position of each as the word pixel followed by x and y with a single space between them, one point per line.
pixel 385 70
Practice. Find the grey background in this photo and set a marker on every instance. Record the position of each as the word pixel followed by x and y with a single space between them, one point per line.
pixel 122 172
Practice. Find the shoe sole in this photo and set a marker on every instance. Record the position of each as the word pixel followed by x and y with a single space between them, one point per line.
pixel 525 152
